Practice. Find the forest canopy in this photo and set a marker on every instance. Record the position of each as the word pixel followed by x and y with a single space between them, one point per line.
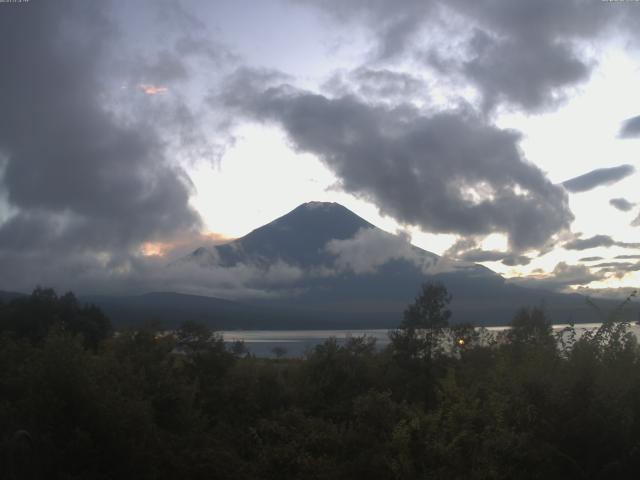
pixel 77 401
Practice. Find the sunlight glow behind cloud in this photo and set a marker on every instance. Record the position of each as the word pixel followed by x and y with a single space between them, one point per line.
pixel 153 89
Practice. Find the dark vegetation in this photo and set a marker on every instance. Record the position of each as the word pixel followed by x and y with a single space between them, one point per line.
pixel 77 401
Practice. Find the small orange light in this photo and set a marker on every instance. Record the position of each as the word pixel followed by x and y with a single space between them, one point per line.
pixel 461 341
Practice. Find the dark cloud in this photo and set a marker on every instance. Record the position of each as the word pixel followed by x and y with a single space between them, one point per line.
pixel 515 260
pixel 630 128
pixel 534 80
pixel 627 257
pixel 621 204
pixel 519 53
pixel 79 177
pixel 446 172
pixel 598 177
pixel 636 221
pixel 597 241
pixel 527 54
pixel 591 242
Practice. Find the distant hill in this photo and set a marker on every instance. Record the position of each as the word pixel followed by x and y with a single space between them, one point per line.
pixel 8 296
pixel 171 309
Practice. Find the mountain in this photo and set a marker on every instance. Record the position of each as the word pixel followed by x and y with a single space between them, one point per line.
pixel 351 271
pixel 297 238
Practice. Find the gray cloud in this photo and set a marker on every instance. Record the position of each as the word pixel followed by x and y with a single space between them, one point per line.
pixel 395 24
pixel 522 54
pixel 617 269
pixel 591 242
pixel 81 179
pixel 598 177
pixel 591 259
pixel 561 278
pixel 636 221
pixel 531 81
pixel 527 55
pixel 478 255
pixel 621 204
pixel 370 248
pixel 630 128
pixel 468 250
pixel 378 85
pixel 175 64
pixel 597 241
pixel 515 260
pixel 128 274
pixel 446 172
pixel 619 294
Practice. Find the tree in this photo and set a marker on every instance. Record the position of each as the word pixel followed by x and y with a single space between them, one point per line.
pixel 425 320
pixel 530 326
pixel 279 351
pixel 33 316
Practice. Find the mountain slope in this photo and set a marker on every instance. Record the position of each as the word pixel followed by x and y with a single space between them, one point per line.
pixel 298 237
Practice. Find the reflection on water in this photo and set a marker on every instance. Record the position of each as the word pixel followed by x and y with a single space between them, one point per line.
pixel 294 343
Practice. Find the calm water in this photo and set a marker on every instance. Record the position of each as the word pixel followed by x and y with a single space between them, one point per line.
pixel 295 342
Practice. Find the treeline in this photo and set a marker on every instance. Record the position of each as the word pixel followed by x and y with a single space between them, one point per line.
pixel 77 401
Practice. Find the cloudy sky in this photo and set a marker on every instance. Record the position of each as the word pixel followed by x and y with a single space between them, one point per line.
pixel 502 132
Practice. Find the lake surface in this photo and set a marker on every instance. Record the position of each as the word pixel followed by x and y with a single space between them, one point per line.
pixel 295 342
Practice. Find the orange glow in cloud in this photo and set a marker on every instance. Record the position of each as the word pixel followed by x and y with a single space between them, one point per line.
pixel 216 238
pixel 158 249
pixel 152 89
pixel 182 246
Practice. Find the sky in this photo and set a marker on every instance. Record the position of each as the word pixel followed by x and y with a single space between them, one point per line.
pixel 500 132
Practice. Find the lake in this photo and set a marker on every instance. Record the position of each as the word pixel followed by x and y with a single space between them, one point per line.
pixel 295 342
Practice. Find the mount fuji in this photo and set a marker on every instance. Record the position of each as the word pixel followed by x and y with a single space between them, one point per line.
pixel 344 271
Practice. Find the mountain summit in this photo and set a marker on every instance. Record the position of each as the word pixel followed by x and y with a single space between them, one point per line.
pixel 297 238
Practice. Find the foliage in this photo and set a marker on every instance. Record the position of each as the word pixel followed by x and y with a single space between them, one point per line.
pixel 32 317
pixel 461 404
pixel 420 333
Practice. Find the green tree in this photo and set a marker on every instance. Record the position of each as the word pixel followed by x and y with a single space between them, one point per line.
pixel 421 332
pixel 33 316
